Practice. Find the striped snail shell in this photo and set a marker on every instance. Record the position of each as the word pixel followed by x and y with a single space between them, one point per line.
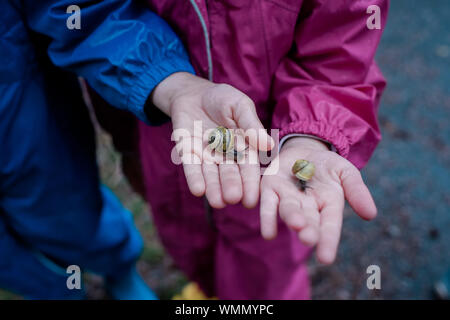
pixel 221 139
pixel 303 170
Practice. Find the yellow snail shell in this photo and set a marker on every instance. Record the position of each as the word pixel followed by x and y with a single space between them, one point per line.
pixel 303 169
pixel 221 139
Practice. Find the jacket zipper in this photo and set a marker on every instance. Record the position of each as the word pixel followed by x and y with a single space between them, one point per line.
pixel 207 41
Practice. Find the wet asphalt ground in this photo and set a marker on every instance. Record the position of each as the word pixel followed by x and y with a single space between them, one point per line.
pixel 409 173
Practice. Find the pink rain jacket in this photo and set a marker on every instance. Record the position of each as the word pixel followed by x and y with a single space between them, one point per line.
pixel 309 67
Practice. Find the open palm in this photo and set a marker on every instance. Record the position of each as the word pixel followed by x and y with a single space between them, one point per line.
pixel 208 105
pixel 317 212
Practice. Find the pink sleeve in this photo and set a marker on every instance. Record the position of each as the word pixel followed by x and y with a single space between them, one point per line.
pixel 329 85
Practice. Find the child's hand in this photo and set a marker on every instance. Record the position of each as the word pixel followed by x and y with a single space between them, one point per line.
pixel 186 99
pixel 316 213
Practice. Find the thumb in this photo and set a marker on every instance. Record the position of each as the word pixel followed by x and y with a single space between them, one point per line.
pixel 246 118
pixel 357 193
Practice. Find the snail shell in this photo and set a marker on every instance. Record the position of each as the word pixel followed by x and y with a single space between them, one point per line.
pixel 221 139
pixel 303 169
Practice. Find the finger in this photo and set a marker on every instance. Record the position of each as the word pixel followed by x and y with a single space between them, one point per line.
pixel 330 232
pixel 189 150
pixel 357 193
pixel 309 235
pixel 268 213
pixel 213 188
pixel 231 183
pixel 291 212
pixel 250 174
pixel 194 174
pixel 247 119
pixel 239 140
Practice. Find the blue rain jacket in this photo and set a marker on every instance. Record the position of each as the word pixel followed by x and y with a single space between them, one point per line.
pixel 122 49
pixel 50 199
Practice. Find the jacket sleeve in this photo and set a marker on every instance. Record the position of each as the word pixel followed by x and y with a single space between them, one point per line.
pixel 329 85
pixel 122 49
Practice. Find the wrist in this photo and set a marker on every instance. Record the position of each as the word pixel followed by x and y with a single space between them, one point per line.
pixel 305 142
pixel 165 92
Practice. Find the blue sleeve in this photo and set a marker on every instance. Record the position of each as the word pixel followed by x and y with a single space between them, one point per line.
pixel 122 49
